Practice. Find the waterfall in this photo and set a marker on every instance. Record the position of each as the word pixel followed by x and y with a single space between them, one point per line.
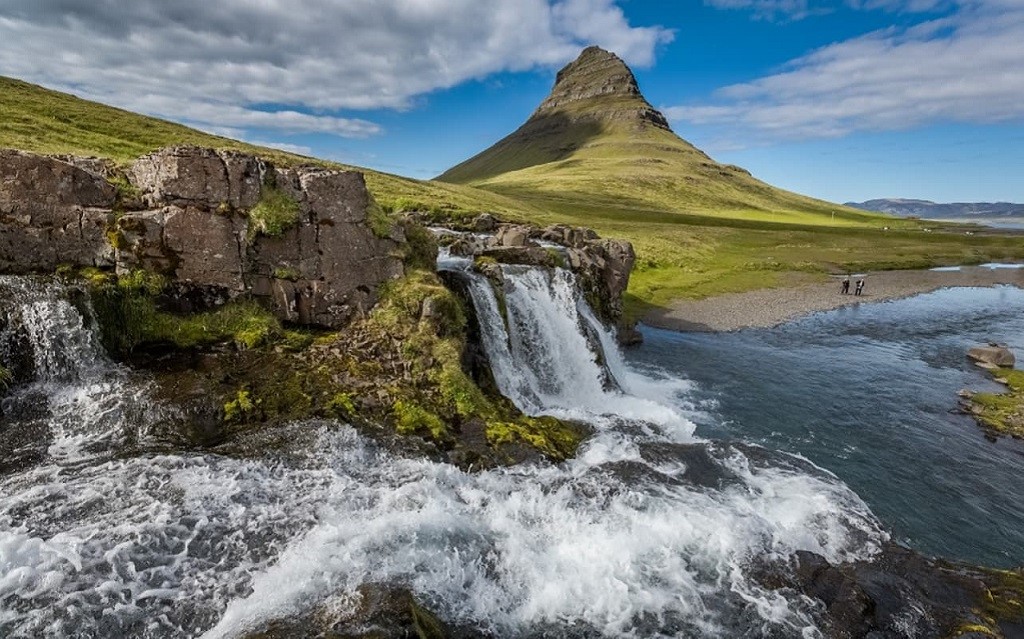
pixel 649 531
pixel 81 400
pixel 550 354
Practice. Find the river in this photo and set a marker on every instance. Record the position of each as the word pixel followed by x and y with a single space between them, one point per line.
pixel 712 457
pixel 866 392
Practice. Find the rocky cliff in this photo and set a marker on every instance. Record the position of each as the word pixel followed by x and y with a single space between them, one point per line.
pixel 597 77
pixel 216 224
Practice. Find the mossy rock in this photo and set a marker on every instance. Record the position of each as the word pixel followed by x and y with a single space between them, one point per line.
pixel 1002 413
pixel 275 213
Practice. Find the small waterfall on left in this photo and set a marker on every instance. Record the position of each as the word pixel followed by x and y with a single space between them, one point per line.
pixel 69 393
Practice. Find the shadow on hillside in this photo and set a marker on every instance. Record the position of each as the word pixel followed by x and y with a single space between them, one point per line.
pixel 542 139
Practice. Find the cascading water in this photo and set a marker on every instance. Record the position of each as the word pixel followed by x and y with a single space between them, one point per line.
pixel 544 360
pixel 78 398
pixel 648 532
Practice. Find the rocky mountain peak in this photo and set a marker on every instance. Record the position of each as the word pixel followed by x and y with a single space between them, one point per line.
pixel 599 75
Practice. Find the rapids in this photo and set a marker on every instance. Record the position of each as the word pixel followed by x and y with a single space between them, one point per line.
pixel 649 531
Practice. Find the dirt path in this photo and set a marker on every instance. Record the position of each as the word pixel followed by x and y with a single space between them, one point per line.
pixel 769 307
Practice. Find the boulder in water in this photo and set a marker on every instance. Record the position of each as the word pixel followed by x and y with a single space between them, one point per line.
pixel 513 235
pixel 993 355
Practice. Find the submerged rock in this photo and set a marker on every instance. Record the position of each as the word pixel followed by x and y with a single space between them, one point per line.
pixel 995 355
pixel 375 611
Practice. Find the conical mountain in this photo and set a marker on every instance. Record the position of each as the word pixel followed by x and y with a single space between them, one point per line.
pixel 596 142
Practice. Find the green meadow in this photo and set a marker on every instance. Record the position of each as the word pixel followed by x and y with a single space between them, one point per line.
pixel 700 228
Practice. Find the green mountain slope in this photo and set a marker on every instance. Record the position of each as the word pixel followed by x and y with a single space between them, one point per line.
pixel 595 154
pixel 33 118
pixel 596 141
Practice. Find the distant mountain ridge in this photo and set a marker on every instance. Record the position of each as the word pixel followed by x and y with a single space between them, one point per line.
pixel 927 209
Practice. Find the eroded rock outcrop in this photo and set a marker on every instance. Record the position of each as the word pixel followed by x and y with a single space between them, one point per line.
pixel 602 266
pixel 321 265
pixel 51 212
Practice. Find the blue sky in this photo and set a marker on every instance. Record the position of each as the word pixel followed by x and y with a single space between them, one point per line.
pixel 844 100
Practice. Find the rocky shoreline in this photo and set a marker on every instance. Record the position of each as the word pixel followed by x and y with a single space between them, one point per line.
pixel 765 308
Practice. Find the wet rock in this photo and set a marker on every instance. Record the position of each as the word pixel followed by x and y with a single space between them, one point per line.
pixel 629 336
pixel 526 255
pixel 468 246
pixel 513 235
pixel 901 593
pixel 492 271
pixel 377 611
pixel 604 267
pixel 994 355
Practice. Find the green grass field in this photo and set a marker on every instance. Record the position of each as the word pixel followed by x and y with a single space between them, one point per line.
pixel 700 228
pixel 43 121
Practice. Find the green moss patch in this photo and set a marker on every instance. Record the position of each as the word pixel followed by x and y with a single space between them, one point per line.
pixel 1002 413
pixel 378 219
pixel 274 214
pixel 556 439
pixel 1001 600
pixel 420 248
pixel 128 317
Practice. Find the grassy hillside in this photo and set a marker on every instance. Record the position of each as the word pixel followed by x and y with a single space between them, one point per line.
pixel 36 119
pixel 626 175
pixel 596 153
pixel 597 142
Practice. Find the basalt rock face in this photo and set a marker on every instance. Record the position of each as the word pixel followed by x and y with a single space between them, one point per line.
pixel 192 226
pixel 51 212
pixel 597 73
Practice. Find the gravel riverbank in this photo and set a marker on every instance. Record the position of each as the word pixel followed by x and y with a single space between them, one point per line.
pixel 770 307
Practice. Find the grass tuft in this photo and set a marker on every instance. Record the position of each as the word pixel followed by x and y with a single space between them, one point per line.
pixel 275 213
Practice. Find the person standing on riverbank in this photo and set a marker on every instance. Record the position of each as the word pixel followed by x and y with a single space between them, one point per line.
pixel 860 287
pixel 845 290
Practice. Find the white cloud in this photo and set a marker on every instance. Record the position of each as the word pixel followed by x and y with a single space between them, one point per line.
pixel 967 67
pixel 297 149
pixel 296 65
pixel 800 9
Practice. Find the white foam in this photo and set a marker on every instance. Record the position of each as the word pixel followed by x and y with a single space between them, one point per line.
pixel 92 403
pixel 188 539
pixel 543 361
pixel 620 541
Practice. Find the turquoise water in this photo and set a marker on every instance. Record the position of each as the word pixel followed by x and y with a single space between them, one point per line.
pixel 866 392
